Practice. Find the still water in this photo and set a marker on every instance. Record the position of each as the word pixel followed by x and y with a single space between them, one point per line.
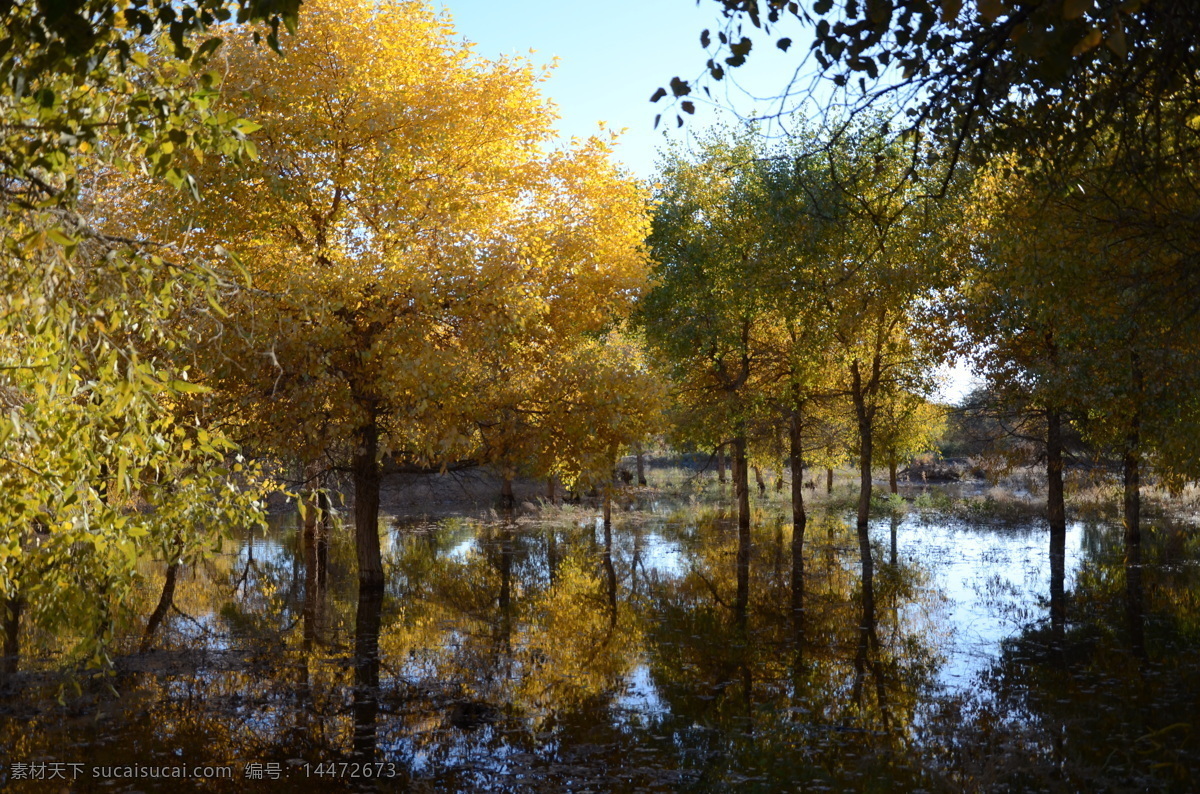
pixel 544 652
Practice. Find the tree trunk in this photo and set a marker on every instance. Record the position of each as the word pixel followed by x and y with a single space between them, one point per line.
pixel 316 556
pixel 799 519
pixel 1132 466
pixel 507 500
pixel 741 483
pixel 1057 514
pixel 1133 501
pixel 895 526
pixel 323 540
pixel 829 479
pixel 610 570
pixel 165 600
pixel 366 473
pixel 758 479
pixel 550 490
pixel 721 464
pixel 892 471
pixel 608 506
pixel 13 606
pixel 641 466
pixel 865 415
pixel 367 620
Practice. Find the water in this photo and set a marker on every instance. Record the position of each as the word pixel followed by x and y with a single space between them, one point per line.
pixel 541 653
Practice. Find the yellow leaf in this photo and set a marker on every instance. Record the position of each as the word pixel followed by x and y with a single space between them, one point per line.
pixel 1089 42
pixel 1074 9
pixel 1116 40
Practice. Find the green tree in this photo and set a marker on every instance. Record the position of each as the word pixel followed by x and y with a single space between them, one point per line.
pixel 103 462
pixel 703 316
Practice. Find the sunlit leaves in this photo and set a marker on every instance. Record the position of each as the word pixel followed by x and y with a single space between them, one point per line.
pixel 428 262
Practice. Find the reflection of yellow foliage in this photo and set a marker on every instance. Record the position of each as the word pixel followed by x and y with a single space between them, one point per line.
pixel 573 649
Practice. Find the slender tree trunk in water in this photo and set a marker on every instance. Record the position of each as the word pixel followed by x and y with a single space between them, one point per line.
pixel 609 570
pixel 366 473
pixel 164 605
pixel 895 526
pixel 1133 500
pixel 892 471
pixel 1056 511
pixel 316 555
pixel 507 501
pixel 799 520
pixel 721 464
pixel 323 540
pixel 641 466
pixel 758 479
pixel 607 507
pixel 829 479
pixel 1133 528
pixel 865 415
pixel 367 620
pixel 12 633
pixel 1132 466
pixel 309 611
pixel 550 490
pixel 741 486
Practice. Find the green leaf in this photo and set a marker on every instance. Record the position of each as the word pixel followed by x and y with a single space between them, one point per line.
pixel 246 126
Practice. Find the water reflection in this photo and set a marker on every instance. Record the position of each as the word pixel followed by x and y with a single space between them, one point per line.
pixel 661 650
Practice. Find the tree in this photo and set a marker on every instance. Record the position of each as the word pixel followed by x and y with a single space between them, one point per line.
pixel 993 75
pixel 892 253
pixel 907 424
pixel 1067 307
pixel 703 316
pixel 418 255
pixel 102 460
pixel 788 277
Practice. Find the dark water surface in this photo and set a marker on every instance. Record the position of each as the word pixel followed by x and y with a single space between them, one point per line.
pixel 543 653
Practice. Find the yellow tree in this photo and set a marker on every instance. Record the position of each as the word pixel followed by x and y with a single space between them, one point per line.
pixel 406 230
pixel 906 424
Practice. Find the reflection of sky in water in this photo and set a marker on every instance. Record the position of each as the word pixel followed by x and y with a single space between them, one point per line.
pixel 661 556
pixel 988 582
pixel 995 579
pixel 460 551
pixel 640 702
pixel 267 550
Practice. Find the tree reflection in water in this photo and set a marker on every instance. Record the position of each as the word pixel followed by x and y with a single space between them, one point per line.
pixel 652 652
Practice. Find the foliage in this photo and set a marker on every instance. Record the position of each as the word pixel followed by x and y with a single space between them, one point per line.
pixel 907 425
pixel 433 283
pixel 1067 308
pixel 984 76
pixel 103 459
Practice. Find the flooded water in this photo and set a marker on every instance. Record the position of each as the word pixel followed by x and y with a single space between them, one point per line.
pixel 544 652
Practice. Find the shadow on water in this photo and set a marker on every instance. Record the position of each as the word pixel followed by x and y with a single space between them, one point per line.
pixel 661 650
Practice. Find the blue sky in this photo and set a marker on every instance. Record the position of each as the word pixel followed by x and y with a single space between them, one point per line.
pixel 612 57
